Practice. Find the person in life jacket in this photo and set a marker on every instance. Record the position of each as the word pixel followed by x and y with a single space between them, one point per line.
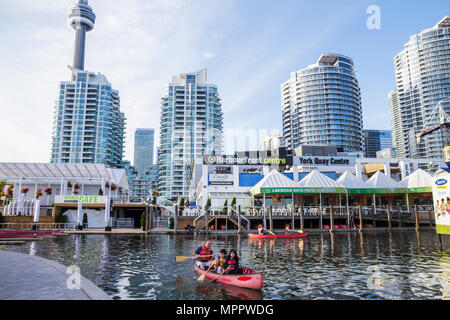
pixel 232 263
pixel 204 255
pixel 219 262
pixel 287 229
pixel 261 230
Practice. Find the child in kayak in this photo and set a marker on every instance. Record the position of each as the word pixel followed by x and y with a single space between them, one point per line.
pixel 219 262
pixel 287 229
pixel 232 263
pixel 261 230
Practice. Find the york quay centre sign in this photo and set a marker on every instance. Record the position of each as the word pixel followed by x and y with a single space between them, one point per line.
pixel 324 161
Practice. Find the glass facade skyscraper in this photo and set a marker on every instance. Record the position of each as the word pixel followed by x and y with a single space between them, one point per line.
pixel 88 126
pixel 321 105
pixel 191 127
pixel 376 140
pixel 422 73
pixel 144 141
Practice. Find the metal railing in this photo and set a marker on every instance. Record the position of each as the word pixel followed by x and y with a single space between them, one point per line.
pixel 39 226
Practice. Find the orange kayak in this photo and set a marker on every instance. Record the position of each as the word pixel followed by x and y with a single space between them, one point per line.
pixel 254 236
pixel 249 279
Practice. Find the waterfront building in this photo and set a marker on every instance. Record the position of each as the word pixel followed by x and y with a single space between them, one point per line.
pixel 141 183
pixel 88 125
pixel 321 105
pixel 191 127
pixel 60 186
pixel 144 140
pixel 376 140
pixel 232 176
pixel 271 142
pixel 422 76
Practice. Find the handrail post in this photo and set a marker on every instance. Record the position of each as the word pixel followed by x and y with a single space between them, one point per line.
pixel 331 218
pixel 417 217
pixel 388 212
pixel 360 218
pixel 292 216
pixel 320 217
pixel 239 217
pixel 270 218
pixel 301 217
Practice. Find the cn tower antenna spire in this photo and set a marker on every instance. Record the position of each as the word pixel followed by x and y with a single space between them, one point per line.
pixel 81 19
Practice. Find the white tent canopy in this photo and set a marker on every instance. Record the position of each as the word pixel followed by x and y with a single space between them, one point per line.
pixel 418 181
pixel 351 182
pixel 315 179
pixel 384 184
pixel 274 179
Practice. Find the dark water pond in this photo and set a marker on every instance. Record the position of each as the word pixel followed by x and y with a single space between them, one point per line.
pixel 378 265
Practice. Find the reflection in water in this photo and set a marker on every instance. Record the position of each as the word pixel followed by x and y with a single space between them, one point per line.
pixel 321 266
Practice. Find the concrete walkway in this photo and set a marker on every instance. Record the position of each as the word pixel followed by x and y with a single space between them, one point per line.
pixel 25 277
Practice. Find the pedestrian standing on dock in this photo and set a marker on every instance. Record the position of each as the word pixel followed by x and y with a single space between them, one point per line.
pixel 204 255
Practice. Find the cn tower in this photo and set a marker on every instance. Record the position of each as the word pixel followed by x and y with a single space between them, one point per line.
pixel 82 19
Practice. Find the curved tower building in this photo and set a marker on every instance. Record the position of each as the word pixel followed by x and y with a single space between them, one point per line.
pixel 82 19
pixel 321 105
pixel 422 75
pixel 88 125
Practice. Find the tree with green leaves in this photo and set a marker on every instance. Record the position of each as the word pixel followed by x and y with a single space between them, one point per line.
pixel 85 218
pixel 225 209
pixel 143 220
pixel 100 192
pixel 233 202
pixel 181 206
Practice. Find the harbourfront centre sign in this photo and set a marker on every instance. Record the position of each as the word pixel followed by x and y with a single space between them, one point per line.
pixel 279 160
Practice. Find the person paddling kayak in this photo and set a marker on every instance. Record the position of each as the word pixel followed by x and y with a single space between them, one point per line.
pixel 219 262
pixel 232 263
pixel 261 230
pixel 204 255
pixel 287 229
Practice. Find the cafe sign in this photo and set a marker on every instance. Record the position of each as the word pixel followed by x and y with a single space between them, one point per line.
pixel 84 199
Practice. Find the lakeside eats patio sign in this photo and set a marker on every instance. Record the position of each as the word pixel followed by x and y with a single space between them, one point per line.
pixel 441 202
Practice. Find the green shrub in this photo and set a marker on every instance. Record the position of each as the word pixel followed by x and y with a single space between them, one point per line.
pixel 60 218
pixel 208 203
pixel 1 217
pixel 100 192
pixel 181 206
pixel 233 202
pixel 85 218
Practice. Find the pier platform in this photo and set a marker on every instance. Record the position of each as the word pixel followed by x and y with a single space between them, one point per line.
pixel 26 277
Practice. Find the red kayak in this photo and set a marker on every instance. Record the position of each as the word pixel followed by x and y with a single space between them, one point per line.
pixel 249 279
pixel 254 236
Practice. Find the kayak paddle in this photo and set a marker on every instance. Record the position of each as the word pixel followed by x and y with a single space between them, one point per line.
pixel 184 258
pixel 218 276
pixel 203 276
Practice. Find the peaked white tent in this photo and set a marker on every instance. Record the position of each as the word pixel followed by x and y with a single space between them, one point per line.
pixel 353 184
pixel 320 183
pixel 384 184
pixel 274 182
pixel 419 181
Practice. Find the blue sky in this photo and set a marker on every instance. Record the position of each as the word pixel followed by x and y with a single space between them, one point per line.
pixel 248 46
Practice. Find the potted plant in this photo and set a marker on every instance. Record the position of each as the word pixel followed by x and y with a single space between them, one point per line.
pixel 225 209
pixel 48 191
pixel 85 220
pixel 69 184
pixel 9 193
pixel 233 202
pixel 38 193
pixel 100 192
pixel 24 190
pixel 155 194
pixel 107 184
pixel 76 186
pixel 113 187
pixel 75 192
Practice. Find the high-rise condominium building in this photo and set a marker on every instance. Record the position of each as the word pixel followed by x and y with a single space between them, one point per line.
pixel 321 105
pixel 144 140
pixel 88 126
pixel 191 127
pixel 376 140
pixel 422 74
pixel 271 142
